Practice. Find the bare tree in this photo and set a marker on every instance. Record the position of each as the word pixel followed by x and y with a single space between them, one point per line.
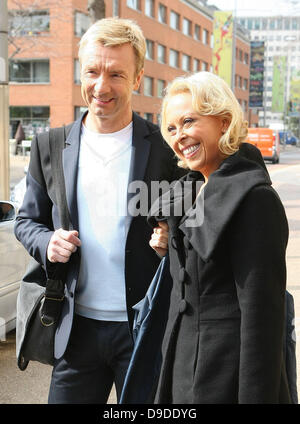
pixel 21 39
pixel 96 9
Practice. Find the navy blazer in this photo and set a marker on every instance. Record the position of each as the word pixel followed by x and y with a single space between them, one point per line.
pixel 38 218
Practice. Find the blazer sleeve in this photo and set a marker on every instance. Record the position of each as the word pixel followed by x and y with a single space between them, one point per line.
pixel 34 227
pixel 259 238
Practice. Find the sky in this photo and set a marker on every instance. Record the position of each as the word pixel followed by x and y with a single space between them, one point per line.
pixel 259 7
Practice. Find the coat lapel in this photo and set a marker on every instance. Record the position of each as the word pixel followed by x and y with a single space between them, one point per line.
pixel 139 156
pixel 70 168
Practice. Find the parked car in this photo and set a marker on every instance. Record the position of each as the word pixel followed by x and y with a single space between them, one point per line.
pixel 293 140
pixel 286 137
pixel 13 263
pixel 267 140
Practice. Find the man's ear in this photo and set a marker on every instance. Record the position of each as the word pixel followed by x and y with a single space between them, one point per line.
pixel 138 80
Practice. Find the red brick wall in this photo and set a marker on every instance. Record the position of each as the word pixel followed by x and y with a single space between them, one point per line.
pixel 61 46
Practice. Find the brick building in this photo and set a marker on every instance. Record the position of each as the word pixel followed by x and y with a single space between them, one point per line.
pixel 44 67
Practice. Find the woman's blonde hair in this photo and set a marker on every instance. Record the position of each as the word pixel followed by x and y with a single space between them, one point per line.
pixel 111 32
pixel 211 95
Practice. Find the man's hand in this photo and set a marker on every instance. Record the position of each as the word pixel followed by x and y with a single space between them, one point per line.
pixel 159 238
pixel 62 244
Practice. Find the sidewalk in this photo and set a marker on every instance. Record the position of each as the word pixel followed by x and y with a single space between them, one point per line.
pixel 17 165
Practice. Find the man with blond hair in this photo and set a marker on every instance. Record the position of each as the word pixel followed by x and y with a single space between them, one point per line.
pixel 108 152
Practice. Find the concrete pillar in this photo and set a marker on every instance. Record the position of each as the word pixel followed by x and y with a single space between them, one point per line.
pixel 4 99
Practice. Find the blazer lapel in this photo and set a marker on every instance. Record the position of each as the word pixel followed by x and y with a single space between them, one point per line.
pixel 139 155
pixel 70 168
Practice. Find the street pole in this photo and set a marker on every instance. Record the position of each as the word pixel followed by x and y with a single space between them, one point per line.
pixel 234 46
pixel 4 115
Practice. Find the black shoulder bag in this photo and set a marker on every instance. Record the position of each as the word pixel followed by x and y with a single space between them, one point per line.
pixel 37 325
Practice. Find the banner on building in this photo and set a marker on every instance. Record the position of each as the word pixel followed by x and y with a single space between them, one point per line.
pixel 278 89
pixel 256 88
pixel 222 51
pixel 294 102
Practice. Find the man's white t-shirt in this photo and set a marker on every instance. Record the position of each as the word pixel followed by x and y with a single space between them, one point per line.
pixel 104 163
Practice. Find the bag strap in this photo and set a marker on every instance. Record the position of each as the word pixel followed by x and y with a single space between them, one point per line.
pixel 57 141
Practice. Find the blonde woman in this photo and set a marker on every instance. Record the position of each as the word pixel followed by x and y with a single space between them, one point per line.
pixel 224 336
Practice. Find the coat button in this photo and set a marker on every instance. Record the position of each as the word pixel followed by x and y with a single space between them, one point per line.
pixel 182 275
pixel 182 306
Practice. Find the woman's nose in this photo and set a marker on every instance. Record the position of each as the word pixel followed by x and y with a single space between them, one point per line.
pixel 180 134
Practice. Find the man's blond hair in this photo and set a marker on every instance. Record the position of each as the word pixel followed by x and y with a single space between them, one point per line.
pixel 112 32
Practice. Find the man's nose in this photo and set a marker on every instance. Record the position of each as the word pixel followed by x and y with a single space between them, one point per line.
pixel 101 84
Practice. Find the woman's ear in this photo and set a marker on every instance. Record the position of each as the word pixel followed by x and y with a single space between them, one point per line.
pixel 225 124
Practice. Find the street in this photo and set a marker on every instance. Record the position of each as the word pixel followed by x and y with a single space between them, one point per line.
pixel 31 386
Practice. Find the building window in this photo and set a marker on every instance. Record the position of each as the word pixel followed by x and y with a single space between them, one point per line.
pixel 272 24
pixel 205 37
pixel 162 14
pixel 197 34
pixel 24 22
pixel 29 71
pixel 245 84
pixel 187 27
pixel 149 49
pixel 76 71
pixel 279 23
pixel 294 23
pixel 174 20
pixel 149 8
pixel 286 23
pixel 257 24
pixel 34 119
pixel 264 23
pixel 196 65
pixel 78 111
pixel 82 23
pixel 204 66
pixel 250 24
pixel 241 55
pixel 148 116
pixel 134 4
pixel 246 58
pixel 160 88
pixel 161 53
pixel 148 86
pixel 174 58
pixel 186 62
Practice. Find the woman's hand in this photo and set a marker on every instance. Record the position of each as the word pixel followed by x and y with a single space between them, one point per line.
pixel 159 239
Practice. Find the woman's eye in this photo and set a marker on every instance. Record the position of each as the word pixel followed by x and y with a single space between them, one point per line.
pixel 188 121
pixel 171 129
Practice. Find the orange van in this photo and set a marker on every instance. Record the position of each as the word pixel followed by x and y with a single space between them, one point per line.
pixel 267 141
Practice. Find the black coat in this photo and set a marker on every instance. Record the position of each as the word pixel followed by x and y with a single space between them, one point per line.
pixel 224 337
